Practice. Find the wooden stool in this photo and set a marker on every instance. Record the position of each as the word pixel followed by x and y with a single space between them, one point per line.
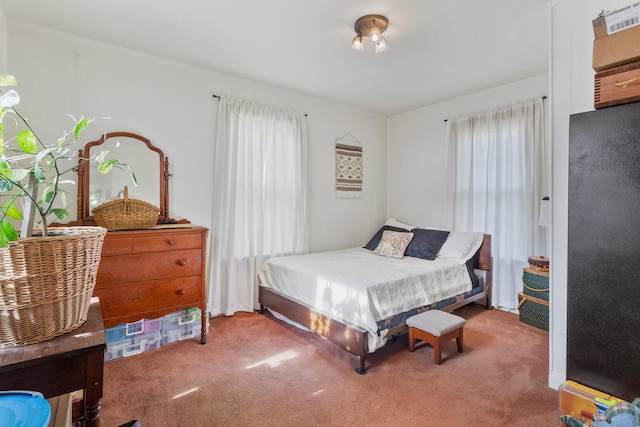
pixel 435 327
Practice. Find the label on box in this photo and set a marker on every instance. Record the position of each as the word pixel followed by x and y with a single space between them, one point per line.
pixel 622 19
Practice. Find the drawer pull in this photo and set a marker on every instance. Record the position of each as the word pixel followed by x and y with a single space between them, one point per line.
pixel 626 82
pixel 182 262
pixel 182 292
pixel 171 242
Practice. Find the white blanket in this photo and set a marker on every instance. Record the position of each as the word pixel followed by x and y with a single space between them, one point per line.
pixel 356 286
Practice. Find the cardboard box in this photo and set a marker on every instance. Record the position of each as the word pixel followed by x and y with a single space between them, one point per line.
pixel 616 49
pixel 617 20
pixel 60 410
pixel 600 27
pixel 579 400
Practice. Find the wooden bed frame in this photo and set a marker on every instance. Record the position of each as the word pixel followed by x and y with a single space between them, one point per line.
pixel 354 338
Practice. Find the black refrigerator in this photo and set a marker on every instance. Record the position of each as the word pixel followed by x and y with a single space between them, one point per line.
pixel 603 277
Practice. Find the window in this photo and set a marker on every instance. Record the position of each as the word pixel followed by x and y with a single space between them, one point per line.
pixel 500 178
pixel 259 198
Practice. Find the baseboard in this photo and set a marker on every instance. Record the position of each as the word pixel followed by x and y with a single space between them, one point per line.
pixel 556 380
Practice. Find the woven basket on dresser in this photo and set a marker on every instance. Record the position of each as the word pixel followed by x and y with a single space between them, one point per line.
pixel 126 214
pixel 46 284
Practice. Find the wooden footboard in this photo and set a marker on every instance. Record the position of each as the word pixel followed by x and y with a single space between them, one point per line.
pixel 351 337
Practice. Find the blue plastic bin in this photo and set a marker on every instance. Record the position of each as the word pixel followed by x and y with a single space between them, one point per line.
pixel 24 409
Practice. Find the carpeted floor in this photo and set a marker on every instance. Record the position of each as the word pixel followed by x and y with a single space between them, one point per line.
pixel 255 370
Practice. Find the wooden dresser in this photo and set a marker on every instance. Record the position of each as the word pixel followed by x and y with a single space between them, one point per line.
pixel 151 273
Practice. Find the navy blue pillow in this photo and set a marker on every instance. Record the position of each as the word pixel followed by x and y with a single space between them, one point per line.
pixel 475 280
pixel 426 243
pixel 375 240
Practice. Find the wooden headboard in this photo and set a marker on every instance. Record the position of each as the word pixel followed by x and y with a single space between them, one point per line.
pixel 483 259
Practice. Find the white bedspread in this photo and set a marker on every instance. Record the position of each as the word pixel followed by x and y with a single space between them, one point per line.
pixel 359 287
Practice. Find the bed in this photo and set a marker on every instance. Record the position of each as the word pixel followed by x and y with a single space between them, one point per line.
pixel 358 298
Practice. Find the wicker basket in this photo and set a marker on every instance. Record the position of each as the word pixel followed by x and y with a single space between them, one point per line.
pixel 125 214
pixel 533 311
pixel 46 284
pixel 535 285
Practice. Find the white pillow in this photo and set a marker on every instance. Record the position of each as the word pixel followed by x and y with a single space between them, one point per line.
pixel 395 223
pixel 461 245
pixel 393 244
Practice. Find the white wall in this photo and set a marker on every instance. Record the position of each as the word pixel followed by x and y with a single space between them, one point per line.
pixel 172 104
pixel 3 41
pixel 571 92
pixel 418 151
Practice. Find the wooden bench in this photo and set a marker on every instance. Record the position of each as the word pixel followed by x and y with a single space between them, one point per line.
pixel 435 327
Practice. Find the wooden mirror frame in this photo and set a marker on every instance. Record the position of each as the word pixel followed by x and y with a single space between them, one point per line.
pixel 84 178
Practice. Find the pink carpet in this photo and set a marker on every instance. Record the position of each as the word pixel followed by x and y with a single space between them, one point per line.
pixel 255 370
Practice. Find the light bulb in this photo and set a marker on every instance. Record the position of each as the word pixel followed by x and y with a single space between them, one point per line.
pixel 375 35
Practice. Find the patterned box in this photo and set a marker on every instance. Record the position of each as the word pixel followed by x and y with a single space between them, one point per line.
pixel 533 311
pixel 535 284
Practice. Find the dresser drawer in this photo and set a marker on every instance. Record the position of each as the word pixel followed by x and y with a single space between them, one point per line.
pixel 151 273
pixel 146 296
pixel 117 245
pixel 148 266
pixel 166 242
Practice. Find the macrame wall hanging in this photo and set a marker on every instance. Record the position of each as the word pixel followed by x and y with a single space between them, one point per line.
pixel 348 167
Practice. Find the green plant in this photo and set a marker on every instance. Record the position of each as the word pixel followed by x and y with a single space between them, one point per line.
pixel 28 164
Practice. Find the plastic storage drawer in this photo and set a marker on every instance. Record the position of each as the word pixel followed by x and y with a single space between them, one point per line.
pixel 116 350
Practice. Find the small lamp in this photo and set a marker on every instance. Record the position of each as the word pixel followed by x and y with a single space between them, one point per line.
pixel 545 212
pixel 544 220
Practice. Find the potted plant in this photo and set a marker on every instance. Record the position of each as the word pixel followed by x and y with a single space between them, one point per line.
pixel 46 278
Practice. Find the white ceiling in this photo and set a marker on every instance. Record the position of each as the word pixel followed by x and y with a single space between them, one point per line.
pixel 438 50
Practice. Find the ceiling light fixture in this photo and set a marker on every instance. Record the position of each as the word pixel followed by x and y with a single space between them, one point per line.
pixel 371 26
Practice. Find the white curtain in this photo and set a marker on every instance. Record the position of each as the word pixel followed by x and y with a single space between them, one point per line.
pixel 259 198
pixel 501 175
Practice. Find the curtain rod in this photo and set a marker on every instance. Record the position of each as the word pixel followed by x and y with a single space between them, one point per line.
pixel 543 98
pixel 218 96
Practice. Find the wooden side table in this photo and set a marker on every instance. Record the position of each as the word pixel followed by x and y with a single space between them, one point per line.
pixel 70 362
